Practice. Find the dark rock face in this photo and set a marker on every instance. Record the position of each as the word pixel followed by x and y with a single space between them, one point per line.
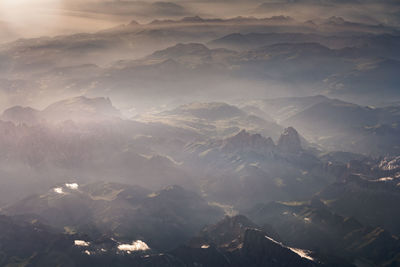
pixel 289 141
pixel 196 256
pixel 337 240
pixel 21 240
pixel 236 241
pixel 32 244
pixel 260 250
pixel 370 202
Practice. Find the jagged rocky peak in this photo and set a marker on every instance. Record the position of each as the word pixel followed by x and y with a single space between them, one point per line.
pixel 289 141
pixel 246 142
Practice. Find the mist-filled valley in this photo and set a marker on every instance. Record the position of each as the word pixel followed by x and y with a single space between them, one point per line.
pixel 200 133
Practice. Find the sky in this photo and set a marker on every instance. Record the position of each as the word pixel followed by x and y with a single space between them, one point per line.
pixel 35 18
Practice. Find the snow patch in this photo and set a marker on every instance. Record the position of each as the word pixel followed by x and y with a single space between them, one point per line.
pixel 301 252
pixel 73 186
pixel 385 179
pixel 58 190
pixel 81 243
pixel 137 245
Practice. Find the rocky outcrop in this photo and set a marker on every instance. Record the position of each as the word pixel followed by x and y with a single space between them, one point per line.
pixel 289 141
pixel 245 142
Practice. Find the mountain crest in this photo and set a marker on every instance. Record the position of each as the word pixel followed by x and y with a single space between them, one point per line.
pixel 81 108
pixel 18 114
pixel 246 142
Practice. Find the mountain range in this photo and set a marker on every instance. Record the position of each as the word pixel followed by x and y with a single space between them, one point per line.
pixel 165 57
pixel 200 133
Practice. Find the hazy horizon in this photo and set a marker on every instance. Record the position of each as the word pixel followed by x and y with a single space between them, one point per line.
pixel 31 19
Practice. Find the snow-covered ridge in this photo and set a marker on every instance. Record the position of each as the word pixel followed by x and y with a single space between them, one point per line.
pixel 301 252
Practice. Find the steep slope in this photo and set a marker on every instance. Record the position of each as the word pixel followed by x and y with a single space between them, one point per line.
pixel 237 241
pixel 371 202
pixel 314 226
pixel 289 141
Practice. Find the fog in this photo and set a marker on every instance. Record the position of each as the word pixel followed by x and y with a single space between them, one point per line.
pixel 214 133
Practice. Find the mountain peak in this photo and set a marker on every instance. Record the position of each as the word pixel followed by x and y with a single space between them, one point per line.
pixel 289 141
pixel 246 142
